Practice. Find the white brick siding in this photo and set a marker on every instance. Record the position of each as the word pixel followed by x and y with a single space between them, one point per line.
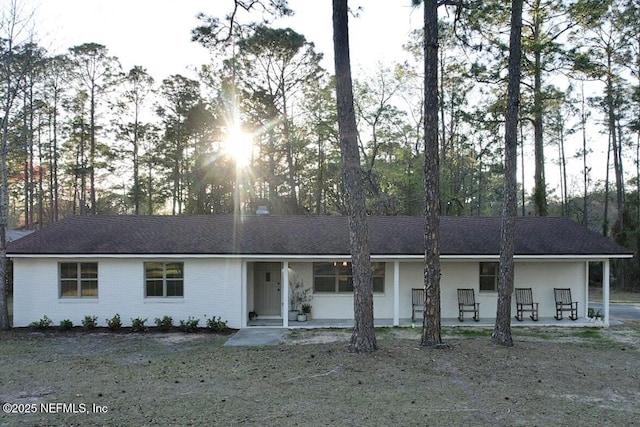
pixel 212 287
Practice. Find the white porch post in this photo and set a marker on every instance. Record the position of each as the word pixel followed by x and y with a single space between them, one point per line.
pixel 586 288
pixel 396 293
pixel 285 294
pixel 605 291
pixel 244 292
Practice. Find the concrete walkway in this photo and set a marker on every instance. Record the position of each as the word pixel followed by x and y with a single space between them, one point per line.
pixel 256 337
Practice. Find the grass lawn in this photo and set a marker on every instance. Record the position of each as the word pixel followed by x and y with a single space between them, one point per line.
pixel 552 376
pixel 595 294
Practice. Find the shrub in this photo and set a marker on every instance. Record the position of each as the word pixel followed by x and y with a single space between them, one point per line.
pixel 66 324
pixel 216 324
pixel 90 322
pixel 189 325
pixel 43 323
pixel 165 323
pixel 114 323
pixel 137 324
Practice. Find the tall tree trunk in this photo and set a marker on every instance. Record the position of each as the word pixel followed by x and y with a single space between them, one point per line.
pixel 540 187
pixel 40 174
pixel 291 175
pixel 136 163
pixel 4 197
pixel 621 236
pixel 25 164
pixel 585 167
pixel 523 199
pixel 363 339
pixel 605 218
pixel 92 152
pixel 320 183
pixel 54 155
pixel 431 323
pixel 83 172
pixel 150 189
pixel 6 97
pixel 638 178
pixel 620 193
pixel 31 154
pixel 563 172
pixel 502 329
pixel 616 148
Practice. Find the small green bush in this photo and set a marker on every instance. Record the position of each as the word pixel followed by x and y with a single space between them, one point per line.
pixel 165 323
pixel 138 324
pixel 43 323
pixel 216 324
pixel 189 325
pixel 114 323
pixel 66 324
pixel 90 322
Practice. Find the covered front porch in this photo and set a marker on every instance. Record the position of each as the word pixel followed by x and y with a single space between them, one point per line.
pixel 267 287
pixel 446 322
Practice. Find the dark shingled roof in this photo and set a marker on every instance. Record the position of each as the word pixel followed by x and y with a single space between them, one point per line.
pixel 305 235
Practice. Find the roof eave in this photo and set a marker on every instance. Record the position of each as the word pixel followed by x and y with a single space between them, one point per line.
pixel 460 257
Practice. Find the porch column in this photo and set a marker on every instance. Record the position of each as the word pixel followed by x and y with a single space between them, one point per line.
pixel 605 291
pixel 586 287
pixel 285 294
pixel 243 294
pixel 396 293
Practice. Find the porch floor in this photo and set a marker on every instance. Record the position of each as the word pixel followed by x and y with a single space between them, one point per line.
pixel 448 322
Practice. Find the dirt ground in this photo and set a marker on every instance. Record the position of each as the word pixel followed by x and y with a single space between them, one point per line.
pixel 577 377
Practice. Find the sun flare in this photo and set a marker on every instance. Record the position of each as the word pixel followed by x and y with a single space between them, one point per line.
pixel 239 146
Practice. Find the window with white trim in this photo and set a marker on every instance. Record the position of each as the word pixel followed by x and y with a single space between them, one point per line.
pixel 489 272
pixel 337 277
pixel 78 279
pixel 164 279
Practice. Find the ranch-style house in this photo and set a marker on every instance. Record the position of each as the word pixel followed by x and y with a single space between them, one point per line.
pixel 243 268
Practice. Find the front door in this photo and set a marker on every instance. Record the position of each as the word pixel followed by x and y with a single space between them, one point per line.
pixel 267 280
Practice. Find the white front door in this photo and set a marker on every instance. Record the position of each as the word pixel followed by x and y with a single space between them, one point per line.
pixel 267 279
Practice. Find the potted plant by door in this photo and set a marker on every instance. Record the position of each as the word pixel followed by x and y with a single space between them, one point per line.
pixel 306 310
pixel 298 297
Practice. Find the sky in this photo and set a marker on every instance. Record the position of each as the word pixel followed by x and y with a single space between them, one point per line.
pixel 156 33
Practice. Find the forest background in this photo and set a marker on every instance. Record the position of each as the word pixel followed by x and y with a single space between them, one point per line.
pixel 255 125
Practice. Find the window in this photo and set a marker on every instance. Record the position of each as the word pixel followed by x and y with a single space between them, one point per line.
pixel 78 280
pixel 489 276
pixel 336 277
pixel 164 279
